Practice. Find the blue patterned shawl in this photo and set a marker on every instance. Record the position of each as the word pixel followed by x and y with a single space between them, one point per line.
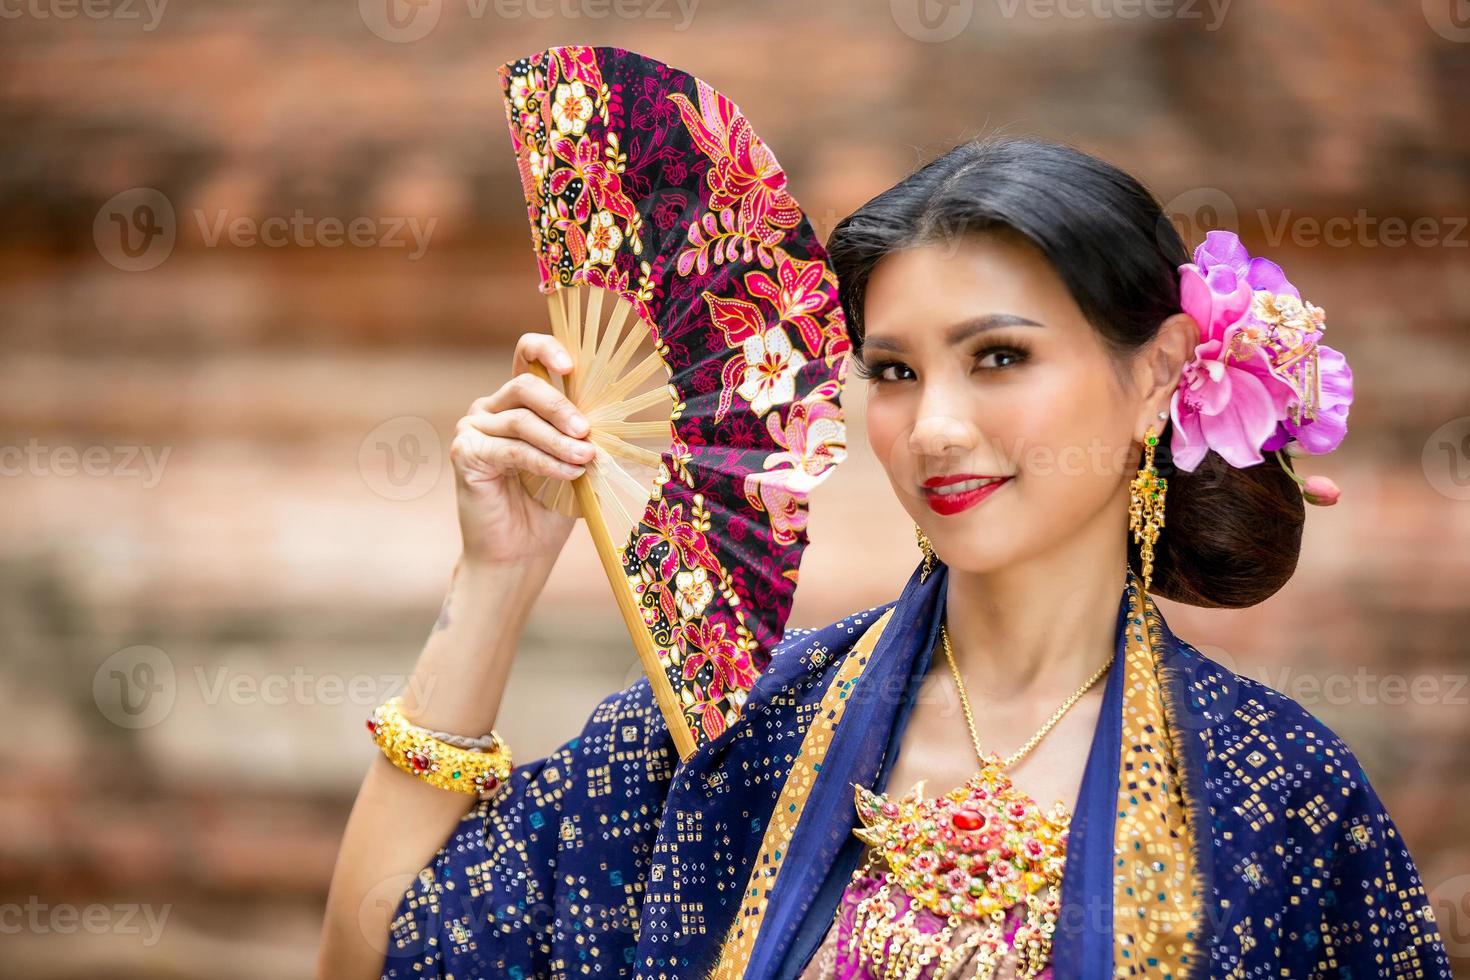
pixel 1221 830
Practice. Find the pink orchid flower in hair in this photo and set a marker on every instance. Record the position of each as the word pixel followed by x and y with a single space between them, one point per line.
pixel 1230 406
pixel 1259 380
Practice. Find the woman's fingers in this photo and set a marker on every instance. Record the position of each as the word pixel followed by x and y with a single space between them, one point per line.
pixel 525 390
pixel 525 426
pixel 497 455
pixel 542 347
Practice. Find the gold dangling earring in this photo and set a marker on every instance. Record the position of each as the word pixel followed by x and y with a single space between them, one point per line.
pixel 927 547
pixel 1146 504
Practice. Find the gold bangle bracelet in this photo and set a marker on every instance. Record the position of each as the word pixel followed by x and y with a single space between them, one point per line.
pixel 419 752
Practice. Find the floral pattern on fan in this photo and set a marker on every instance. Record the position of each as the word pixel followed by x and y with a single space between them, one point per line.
pixel 642 180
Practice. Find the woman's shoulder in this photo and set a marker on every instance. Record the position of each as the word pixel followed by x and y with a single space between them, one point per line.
pixel 800 639
pixel 625 723
pixel 630 717
pixel 1265 745
pixel 1288 797
pixel 805 651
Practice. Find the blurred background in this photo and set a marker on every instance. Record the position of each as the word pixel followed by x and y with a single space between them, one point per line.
pixel 228 519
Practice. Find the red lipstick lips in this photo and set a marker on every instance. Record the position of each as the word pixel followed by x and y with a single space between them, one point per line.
pixel 956 501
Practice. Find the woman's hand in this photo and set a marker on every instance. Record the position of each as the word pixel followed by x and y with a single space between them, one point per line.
pixel 525 425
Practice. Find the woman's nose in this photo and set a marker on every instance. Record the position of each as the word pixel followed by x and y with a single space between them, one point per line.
pixel 940 434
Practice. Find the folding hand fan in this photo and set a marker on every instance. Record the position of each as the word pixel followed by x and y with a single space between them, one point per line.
pixel 709 345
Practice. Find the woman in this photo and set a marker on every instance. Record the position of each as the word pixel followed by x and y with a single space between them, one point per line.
pixel 1049 372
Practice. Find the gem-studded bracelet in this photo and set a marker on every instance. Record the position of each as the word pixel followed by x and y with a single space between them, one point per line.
pixel 433 758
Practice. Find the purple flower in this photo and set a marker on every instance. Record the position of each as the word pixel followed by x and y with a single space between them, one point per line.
pixel 1251 370
pixel 1326 431
pixel 1230 406
pixel 1216 288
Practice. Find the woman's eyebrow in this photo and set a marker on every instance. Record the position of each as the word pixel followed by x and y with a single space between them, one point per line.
pixel 957 333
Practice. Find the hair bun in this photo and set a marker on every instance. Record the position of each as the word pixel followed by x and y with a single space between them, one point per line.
pixel 1231 536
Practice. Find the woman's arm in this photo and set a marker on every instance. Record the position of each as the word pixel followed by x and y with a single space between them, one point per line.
pixel 510 542
pixel 399 821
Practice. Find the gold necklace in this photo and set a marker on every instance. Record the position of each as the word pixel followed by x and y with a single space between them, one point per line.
pixel 1034 740
pixel 972 854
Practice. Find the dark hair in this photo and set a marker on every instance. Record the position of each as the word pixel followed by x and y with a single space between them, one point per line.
pixel 1231 536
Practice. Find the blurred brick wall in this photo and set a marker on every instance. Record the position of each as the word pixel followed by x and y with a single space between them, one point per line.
pixel 243 542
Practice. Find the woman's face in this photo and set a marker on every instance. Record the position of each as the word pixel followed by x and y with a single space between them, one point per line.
pixel 986 368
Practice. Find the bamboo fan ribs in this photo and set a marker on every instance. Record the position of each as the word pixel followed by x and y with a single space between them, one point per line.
pixel 628 408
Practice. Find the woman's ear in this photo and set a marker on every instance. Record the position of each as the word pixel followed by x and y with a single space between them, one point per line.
pixel 1160 367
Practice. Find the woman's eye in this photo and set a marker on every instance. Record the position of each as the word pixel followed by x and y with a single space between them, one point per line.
pixel 1014 356
pixel 994 358
pixel 877 371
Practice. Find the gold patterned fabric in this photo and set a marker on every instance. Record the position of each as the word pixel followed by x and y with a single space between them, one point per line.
pixel 1157 894
pixel 775 847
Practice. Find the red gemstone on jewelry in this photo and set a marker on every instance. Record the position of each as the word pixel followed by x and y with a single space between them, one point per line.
pixel 967 820
pixel 372 726
pixel 419 763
